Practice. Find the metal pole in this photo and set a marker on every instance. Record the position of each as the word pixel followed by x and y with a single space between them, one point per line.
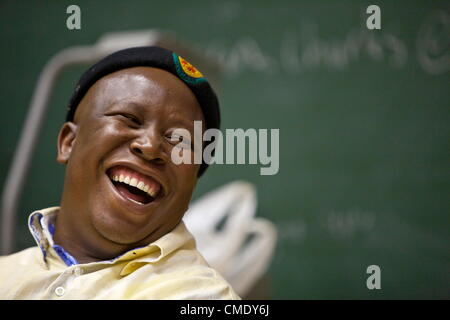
pixel 36 115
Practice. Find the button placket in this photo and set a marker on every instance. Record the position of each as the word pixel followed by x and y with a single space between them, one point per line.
pixel 64 281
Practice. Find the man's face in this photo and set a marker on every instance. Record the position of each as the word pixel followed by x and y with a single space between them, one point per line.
pixel 122 131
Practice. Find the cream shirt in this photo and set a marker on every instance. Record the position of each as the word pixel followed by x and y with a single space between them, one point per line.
pixel 169 268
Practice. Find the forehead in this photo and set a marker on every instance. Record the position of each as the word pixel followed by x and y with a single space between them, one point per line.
pixel 147 87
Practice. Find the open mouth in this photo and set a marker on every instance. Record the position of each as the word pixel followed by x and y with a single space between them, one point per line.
pixel 134 186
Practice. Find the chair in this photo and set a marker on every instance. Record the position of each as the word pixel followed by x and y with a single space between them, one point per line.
pixel 230 237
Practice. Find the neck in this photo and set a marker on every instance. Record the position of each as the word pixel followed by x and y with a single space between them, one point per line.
pixel 82 241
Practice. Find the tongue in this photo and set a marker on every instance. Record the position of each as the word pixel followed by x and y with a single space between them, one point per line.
pixel 126 192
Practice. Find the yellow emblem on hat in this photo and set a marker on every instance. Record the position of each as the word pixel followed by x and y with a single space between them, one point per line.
pixel 189 69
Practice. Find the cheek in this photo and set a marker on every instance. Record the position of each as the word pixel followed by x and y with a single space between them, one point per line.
pixel 186 176
pixel 99 139
pixel 95 142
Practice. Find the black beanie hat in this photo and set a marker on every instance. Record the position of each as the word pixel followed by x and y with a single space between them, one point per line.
pixel 156 57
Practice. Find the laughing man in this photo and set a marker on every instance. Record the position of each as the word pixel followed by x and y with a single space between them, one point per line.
pixel 118 233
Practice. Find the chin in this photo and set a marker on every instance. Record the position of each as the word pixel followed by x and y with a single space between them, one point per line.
pixel 114 228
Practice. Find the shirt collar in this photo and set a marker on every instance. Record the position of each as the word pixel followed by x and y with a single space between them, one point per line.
pixel 42 227
pixel 41 224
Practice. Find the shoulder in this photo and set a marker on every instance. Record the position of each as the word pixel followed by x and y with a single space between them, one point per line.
pixel 22 261
pixel 178 271
pixel 204 282
pixel 184 275
pixel 21 257
pixel 209 285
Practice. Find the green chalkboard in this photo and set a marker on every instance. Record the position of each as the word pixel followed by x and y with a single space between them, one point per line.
pixel 363 118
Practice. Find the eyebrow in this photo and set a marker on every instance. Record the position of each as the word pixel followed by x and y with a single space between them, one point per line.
pixel 182 121
pixel 126 104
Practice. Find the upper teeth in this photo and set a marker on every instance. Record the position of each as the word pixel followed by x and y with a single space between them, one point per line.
pixel 135 183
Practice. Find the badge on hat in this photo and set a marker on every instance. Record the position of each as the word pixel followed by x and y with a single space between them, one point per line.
pixel 187 71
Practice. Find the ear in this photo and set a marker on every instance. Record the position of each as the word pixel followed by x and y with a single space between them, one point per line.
pixel 66 139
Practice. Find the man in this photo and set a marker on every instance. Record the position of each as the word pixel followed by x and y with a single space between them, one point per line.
pixel 118 232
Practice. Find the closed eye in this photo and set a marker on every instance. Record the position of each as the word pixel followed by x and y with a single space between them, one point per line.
pixel 179 140
pixel 129 118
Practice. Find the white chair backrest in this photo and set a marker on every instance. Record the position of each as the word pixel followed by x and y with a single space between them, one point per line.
pixel 222 222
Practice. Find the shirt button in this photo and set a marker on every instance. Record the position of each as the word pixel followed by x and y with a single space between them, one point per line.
pixel 60 291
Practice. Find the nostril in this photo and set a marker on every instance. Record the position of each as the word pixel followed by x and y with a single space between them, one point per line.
pixel 140 152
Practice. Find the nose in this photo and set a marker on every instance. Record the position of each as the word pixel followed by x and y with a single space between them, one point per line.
pixel 148 145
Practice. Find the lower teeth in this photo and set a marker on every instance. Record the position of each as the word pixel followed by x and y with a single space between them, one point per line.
pixel 136 201
pixel 147 200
